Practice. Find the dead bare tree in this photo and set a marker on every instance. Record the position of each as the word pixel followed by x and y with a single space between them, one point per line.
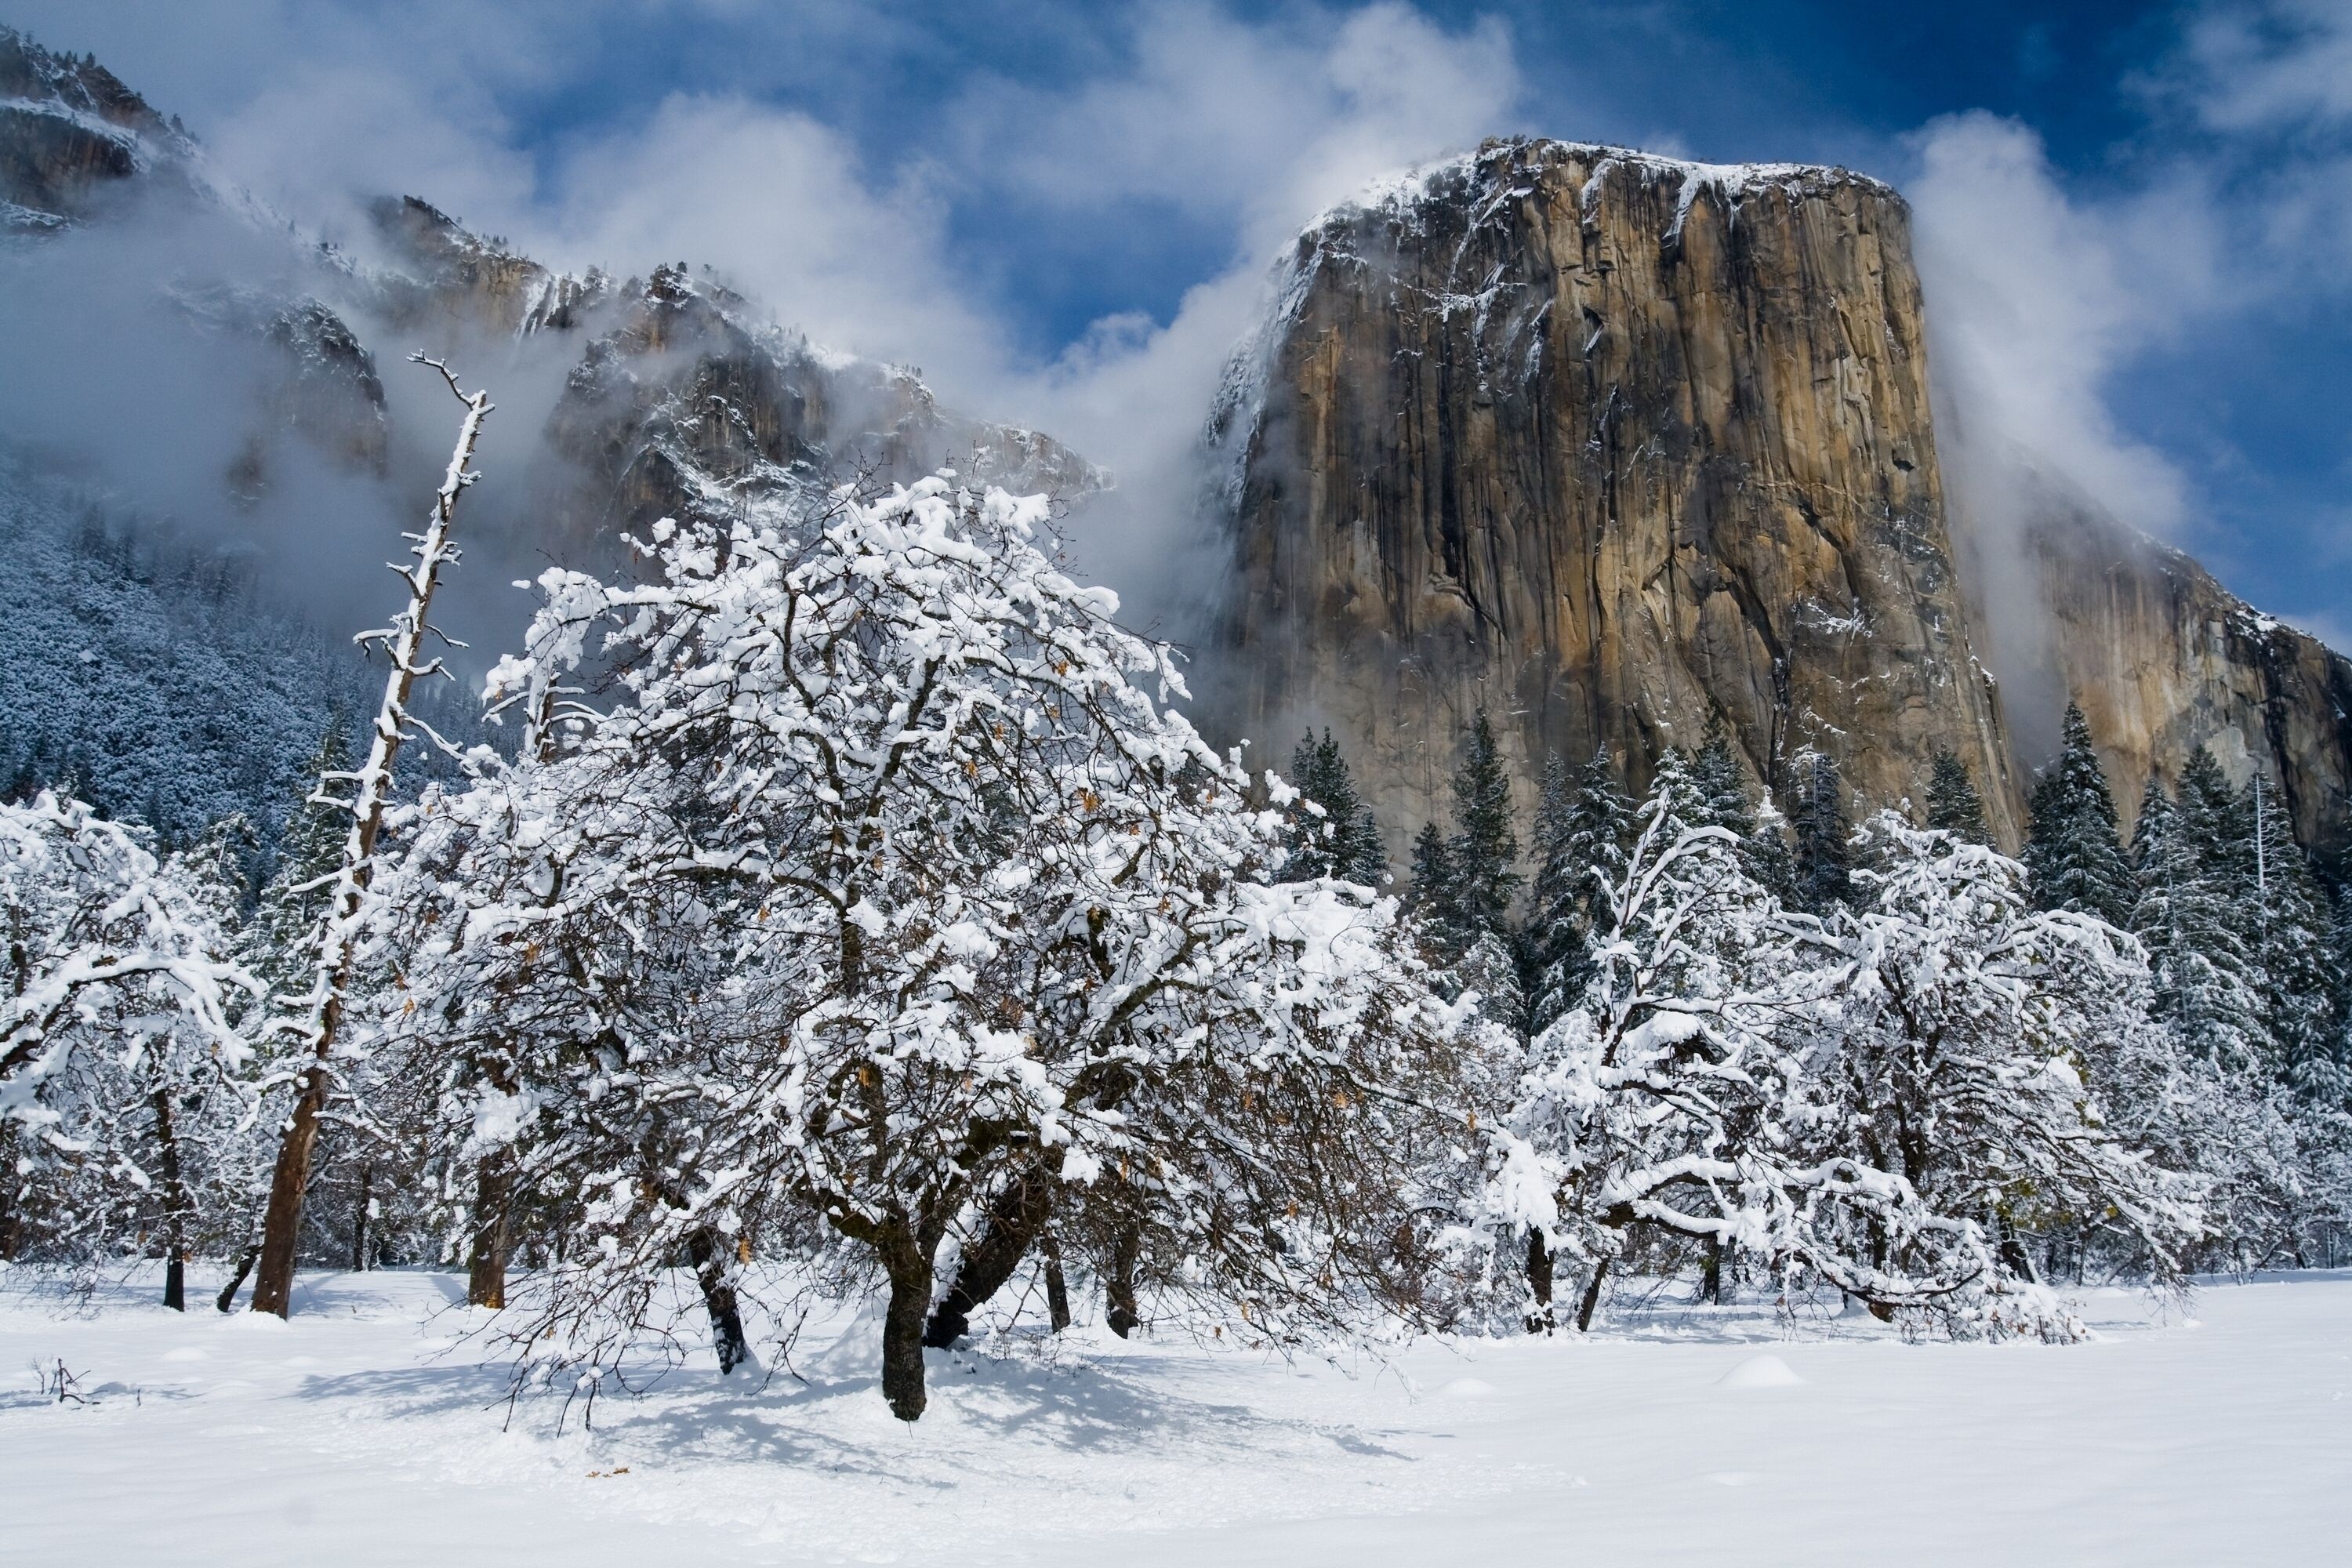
pixel 338 935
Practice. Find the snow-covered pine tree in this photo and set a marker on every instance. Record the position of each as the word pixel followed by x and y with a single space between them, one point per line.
pixel 2073 858
pixel 1768 857
pixel 1721 784
pixel 1823 859
pixel 1953 805
pixel 1555 957
pixel 1429 895
pixel 1344 841
pixel 310 847
pixel 2292 951
pixel 2192 913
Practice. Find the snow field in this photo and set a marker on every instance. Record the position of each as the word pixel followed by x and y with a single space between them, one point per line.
pixel 365 1431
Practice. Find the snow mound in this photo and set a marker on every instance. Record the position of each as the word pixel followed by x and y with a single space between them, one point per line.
pixel 1468 1388
pixel 1760 1372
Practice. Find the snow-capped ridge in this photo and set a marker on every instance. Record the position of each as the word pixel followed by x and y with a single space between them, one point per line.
pixel 1502 168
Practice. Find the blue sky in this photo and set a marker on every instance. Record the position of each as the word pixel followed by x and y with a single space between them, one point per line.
pixel 2133 218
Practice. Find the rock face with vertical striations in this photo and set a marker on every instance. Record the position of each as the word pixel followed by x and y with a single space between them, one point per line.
pixel 2164 659
pixel 1613 446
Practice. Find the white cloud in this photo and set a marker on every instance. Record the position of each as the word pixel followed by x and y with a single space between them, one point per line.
pixel 2035 300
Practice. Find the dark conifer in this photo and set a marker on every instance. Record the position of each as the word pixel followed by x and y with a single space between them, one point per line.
pixel 2073 859
pixel 1555 957
pixel 1953 805
pixel 1823 857
pixel 1345 841
pixel 1484 848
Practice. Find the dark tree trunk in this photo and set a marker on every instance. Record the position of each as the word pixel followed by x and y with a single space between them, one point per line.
pixel 1710 1279
pixel 227 1297
pixel 1118 1286
pixel 1591 1302
pixel 1013 1223
pixel 486 1267
pixel 290 1182
pixel 727 1336
pixel 902 1324
pixel 1057 1289
pixel 360 1218
pixel 1540 1316
pixel 2014 1253
pixel 175 1207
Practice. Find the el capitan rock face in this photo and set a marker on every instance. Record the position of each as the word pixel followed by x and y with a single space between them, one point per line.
pixel 1613 446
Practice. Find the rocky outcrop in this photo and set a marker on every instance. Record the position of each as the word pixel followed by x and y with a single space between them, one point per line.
pixel 1615 446
pixel 2164 659
pixel 70 133
pixel 688 404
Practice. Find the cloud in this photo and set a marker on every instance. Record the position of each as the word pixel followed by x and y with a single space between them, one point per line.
pixel 2265 66
pixel 2035 300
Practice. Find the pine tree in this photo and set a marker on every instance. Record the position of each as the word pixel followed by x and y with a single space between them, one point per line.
pixel 309 848
pixel 2073 859
pixel 2293 950
pixel 1345 841
pixel 1429 896
pixel 1722 787
pixel 1953 804
pixel 1555 956
pixel 1484 846
pixel 1824 863
pixel 1599 832
pixel 2206 987
pixel 1768 858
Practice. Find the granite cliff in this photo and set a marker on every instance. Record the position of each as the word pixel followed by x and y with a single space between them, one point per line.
pixel 1619 447
pixel 1615 447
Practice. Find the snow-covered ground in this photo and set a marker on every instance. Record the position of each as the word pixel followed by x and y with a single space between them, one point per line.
pixel 363 1432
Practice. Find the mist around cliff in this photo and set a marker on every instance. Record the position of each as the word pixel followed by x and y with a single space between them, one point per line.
pixel 163 392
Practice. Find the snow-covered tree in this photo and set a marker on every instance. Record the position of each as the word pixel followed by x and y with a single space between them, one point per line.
pixel 2071 854
pixel 1340 839
pixel 2292 951
pixel 1555 959
pixel 1823 855
pixel 122 1043
pixel 1483 851
pixel 1671 1096
pixel 893 880
pixel 1972 1040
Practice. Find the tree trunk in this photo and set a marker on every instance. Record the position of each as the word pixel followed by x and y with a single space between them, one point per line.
pixel 227 1297
pixel 1012 1222
pixel 1118 1286
pixel 1057 1289
pixel 1540 1316
pixel 727 1337
pixel 282 1224
pixel 1710 1279
pixel 903 1322
pixel 360 1219
pixel 175 1207
pixel 486 1265
pixel 1591 1302
pixel 339 933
